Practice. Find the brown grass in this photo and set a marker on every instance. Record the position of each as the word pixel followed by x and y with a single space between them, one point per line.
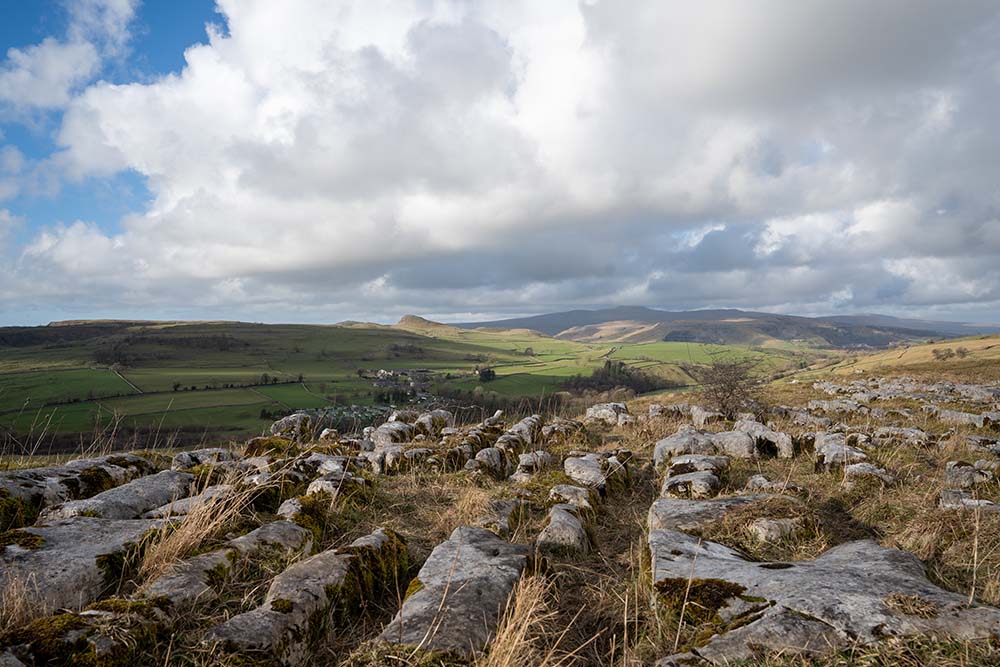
pixel 21 604
pixel 206 522
pixel 528 635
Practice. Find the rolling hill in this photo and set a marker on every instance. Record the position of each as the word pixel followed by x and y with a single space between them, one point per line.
pixel 228 379
pixel 637 324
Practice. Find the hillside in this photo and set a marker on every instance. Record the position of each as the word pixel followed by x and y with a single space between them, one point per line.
pixel 733 327
pixel 193 380
pixel 974 359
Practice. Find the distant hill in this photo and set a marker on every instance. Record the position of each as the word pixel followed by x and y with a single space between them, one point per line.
pixel 638 324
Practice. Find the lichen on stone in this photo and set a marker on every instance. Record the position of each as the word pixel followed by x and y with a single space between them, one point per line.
pixel 21 538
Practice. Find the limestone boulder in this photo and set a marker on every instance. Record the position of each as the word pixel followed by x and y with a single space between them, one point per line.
pixel 564 532
pixel 691 485
pixel 127 501
pixel 687 440
pixel 458 596
pixel 71 562
pixel 858 592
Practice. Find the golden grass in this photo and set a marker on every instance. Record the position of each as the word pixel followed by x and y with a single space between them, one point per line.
pixel 207 521
pixel 21 604
pixel 528 635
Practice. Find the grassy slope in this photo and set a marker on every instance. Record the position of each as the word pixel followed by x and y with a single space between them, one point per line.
pixel 982 362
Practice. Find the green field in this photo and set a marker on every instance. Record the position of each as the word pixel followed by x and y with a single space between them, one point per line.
pixel 221 376
pixel 35 389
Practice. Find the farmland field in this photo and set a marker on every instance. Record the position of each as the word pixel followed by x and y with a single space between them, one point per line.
pixel 232 377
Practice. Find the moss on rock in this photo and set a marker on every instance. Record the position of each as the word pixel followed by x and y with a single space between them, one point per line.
pixel 15 512
pixel 698 599
pixel 21 538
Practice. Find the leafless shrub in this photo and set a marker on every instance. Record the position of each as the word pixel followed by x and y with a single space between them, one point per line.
pixel 731 386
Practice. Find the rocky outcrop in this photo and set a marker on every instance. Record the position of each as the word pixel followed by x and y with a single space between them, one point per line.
pixel 565 532
pixel 608 414
pixel 300 601
pixel 127 501
pixel 693 516
pixel 24 493
pixel 599 472
pixel 298 427
pixel 197 457
pixel 194 578
pixel 454 604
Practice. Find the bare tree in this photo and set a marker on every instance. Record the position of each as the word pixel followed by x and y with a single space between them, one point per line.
pixel 730 386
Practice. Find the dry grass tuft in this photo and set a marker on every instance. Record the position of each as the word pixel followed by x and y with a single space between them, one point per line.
pixel 528 635
pixel 208 521
pixel 20 604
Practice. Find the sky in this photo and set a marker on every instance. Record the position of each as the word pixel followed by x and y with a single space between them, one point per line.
pixel 322 160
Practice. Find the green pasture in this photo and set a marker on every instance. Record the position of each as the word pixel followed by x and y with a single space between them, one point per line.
pixel 30 390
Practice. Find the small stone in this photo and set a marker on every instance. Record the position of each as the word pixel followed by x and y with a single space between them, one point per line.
pixel 691 485
pixel 774 530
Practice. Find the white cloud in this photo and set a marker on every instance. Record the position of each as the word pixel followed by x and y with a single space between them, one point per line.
pixel 45 75
pixel 351 157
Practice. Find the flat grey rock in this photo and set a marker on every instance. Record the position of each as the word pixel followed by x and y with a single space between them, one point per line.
pixel 460 593
pixel 693 516
pixel 736 444
pixel 127 501
pixel 73 560
pixel 691 485
pixel 850 594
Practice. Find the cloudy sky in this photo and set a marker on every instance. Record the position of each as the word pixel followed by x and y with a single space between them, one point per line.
pixel 317 160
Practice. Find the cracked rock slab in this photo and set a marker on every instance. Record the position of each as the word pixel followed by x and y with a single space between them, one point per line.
pixel 846 595
pixel 693 516
pixel 73 561
pixel 459 594
pixel 687 440
pixel 127 501
pixel 82 478
pixel 310 593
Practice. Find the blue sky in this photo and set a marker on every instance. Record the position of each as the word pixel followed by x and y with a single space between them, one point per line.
pixel 160 32
pixel 321 160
